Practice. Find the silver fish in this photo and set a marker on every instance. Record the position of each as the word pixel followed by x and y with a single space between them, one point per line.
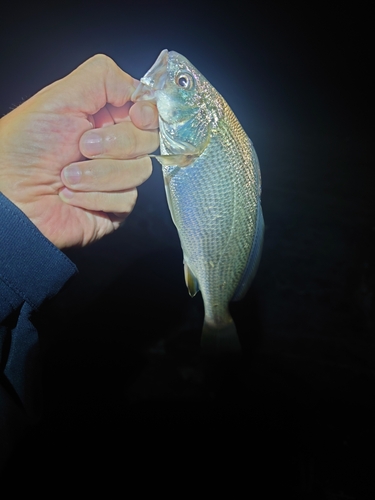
pixel 213 186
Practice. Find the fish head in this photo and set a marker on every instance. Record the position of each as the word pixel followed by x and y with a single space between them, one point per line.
pixel 188 105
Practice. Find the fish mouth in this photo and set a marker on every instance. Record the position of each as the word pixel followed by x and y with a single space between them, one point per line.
pixel 153 80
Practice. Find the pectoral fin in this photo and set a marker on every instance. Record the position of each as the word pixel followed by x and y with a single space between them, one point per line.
pixel 183 153
pixel 191 281
pixel 175 160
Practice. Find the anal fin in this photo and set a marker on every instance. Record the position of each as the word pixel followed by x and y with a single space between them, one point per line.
pixel 191 281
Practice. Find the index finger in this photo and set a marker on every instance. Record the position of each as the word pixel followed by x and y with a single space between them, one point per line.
pixel 90 87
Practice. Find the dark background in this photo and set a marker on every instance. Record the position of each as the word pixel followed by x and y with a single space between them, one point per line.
pixel 125 398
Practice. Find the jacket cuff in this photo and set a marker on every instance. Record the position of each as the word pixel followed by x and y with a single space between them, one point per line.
pixel 30 264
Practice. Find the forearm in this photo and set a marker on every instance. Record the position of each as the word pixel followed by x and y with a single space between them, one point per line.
pixel 32 269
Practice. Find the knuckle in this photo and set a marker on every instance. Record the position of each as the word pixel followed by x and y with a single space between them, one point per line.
pixel 126 203
pixel 100 60
pixel 121 202
pixel 132 198
pixel 153 136
pixel 146 168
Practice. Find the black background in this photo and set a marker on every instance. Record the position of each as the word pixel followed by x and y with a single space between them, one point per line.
pixel 296 416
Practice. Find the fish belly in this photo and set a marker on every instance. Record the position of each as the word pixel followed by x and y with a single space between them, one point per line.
pixel 213 204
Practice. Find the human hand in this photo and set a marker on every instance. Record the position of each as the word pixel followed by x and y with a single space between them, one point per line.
pixel 45 143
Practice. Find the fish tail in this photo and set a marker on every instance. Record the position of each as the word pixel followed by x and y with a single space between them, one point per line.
pixel 220 340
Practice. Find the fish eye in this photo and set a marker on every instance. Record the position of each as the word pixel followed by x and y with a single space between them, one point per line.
pixel 184 80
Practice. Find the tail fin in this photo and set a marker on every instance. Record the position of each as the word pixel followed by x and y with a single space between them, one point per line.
pixel 222 341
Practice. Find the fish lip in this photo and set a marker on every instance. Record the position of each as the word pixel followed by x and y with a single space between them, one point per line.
pixel 153 80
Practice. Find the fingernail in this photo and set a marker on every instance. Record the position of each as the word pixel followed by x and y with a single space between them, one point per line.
pixel 92 144
pixel 148 115
pixel 72 174
pixel 66 193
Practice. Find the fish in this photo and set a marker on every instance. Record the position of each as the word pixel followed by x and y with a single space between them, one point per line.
pixel 213 187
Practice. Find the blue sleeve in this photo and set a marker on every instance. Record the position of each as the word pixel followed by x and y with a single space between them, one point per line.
pixel 32 269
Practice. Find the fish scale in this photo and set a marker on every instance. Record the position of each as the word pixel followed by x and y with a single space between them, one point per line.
pixel 213 187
